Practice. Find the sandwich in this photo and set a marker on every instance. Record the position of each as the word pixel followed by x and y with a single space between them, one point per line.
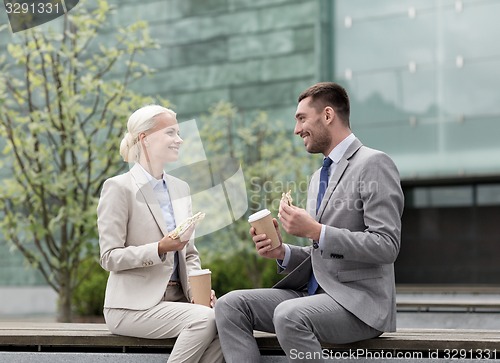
pixel 184 226
pixel 287 198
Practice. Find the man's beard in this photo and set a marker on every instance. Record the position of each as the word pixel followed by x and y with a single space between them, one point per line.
pixel 321 141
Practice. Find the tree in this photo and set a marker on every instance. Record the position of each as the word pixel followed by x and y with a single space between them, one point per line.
pixel 273 162
pixel 64 100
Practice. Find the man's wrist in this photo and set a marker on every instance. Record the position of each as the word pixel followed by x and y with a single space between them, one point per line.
pixel 315 232
pixel 282 252
pixel 286 256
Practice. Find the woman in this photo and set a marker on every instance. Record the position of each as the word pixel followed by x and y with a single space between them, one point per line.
pixel 147 294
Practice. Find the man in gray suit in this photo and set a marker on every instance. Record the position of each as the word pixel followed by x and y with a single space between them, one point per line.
pixel 340 288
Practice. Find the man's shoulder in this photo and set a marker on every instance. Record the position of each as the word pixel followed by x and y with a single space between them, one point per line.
pixel 367 158
pixel 365 152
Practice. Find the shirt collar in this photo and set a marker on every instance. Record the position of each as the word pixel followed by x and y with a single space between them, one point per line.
pixel 339 150
pixel 152 180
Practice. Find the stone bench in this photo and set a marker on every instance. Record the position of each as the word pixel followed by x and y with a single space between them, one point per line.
pixel 85 339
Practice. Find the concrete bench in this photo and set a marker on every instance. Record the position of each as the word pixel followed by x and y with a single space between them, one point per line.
pixel 84 339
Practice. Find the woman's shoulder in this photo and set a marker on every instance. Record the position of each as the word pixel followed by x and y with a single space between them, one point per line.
pixel 116 187
pixel 121 179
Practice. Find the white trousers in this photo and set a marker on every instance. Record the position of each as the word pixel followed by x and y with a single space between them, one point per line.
pixel 193 326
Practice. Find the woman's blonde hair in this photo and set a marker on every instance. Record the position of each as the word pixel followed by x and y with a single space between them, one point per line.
pixel 140 121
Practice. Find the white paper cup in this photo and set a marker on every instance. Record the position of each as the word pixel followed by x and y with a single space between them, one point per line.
pixel 262 221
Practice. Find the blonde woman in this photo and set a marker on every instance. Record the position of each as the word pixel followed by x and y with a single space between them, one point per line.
pixel 147 294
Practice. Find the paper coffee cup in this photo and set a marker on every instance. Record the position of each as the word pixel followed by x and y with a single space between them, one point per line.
pixel 262 221
pixel 201 286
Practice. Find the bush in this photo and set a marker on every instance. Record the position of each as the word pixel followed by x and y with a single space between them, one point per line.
pixel 242 270
pixel 88 297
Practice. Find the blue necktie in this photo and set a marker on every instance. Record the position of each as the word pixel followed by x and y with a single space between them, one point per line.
pixel 312 285
pixel 323 181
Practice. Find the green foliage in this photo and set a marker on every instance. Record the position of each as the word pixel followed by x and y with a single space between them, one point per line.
pixel 88 297
pixel 235 272
pixel 65 99
pixel 273 163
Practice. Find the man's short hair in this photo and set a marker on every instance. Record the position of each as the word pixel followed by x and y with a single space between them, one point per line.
pixel 331 94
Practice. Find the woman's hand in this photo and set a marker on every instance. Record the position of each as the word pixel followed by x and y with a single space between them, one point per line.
pixel 168 244
pixel 213 299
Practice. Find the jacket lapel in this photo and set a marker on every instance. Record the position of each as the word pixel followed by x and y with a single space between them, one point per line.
pixel 337 175
pixel 146 191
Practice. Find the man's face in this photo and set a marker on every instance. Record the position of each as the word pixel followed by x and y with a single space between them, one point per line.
pixel 310 125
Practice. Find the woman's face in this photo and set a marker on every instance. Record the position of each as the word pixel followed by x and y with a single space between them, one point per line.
pixel 162 143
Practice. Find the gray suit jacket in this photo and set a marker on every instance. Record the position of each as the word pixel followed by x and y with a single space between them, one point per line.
pixel 130 224
pixel 362 210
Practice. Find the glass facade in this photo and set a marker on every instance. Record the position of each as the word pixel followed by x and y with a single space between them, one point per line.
pixel 423 79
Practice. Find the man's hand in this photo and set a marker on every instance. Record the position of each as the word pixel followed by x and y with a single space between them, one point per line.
pixel 263 244
pixel 296 221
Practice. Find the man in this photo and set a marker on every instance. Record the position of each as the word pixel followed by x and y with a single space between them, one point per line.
pixel 340 288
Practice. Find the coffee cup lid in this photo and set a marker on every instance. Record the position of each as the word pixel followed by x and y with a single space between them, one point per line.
pixel 199 272
pixel 258 215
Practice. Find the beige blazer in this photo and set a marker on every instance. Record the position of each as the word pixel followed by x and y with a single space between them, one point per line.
pixel 362 210
pixel 131 224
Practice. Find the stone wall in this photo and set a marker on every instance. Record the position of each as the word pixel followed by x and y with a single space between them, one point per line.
pixel 256 54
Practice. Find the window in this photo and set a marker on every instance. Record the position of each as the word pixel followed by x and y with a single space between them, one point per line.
pixel 488 194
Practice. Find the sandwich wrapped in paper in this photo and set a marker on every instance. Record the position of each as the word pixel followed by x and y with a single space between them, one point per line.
pixel 287 198
pixel 184 226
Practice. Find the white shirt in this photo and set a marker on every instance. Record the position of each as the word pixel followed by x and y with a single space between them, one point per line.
pixel 160 191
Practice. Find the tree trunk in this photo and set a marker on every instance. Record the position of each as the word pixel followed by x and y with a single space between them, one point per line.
pixel 65 293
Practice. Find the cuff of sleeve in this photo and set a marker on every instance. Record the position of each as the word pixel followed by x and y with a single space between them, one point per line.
pixel 163 256
pixel 158 258
pixel 321 241
pixel 284 263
